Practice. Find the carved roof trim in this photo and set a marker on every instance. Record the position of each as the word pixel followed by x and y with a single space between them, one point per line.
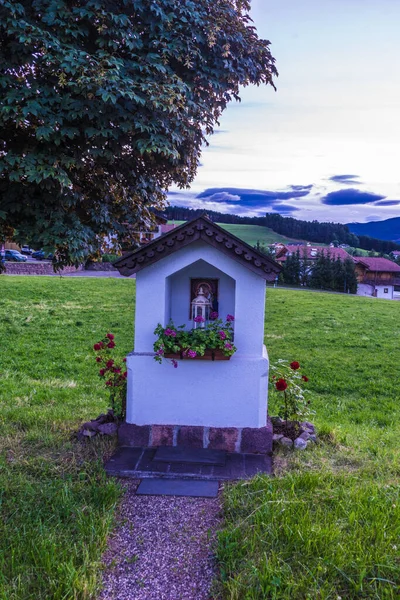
pixel 203 229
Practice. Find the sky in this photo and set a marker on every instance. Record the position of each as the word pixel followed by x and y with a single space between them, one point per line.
pixel 326 144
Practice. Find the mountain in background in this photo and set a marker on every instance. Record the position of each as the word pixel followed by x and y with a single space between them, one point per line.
pixel 383 230
pixel 296 229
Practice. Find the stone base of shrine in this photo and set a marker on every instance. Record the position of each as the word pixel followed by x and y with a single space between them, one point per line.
pixel 246 440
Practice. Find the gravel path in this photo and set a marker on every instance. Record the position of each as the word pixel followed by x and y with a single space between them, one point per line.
pixel 161 548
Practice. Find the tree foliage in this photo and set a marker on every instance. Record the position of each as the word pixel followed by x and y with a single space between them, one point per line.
pixel 324 272
pixel 105 103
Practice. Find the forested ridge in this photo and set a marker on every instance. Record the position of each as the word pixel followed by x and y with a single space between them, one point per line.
pixel 310 231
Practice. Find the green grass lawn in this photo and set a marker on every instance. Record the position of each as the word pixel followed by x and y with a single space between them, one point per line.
pixel 251 234
pixel 56 504
pixel 327 526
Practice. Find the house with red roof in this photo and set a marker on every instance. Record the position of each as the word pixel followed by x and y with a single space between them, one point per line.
pixel 377 277
pixel 309 252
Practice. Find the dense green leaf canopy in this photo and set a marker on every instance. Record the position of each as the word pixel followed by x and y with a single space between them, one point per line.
pixel 106 103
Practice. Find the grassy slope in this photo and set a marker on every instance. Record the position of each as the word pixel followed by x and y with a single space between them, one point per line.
pixel 328 526
pixel 56 504
pixel 251 234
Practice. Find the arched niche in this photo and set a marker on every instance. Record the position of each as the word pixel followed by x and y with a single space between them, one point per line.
pixel 179 286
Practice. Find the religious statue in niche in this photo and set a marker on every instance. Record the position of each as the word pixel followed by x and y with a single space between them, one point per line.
pixel 209 288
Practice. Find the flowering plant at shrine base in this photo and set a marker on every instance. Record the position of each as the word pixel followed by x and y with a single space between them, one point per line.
pixel 216 335
pixel 113 373
pixel 288 382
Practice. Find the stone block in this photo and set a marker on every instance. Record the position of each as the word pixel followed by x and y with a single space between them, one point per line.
pixel 134 435
pixel 162 435
pixel 190 436
pixel 300 443
pixel 286 442
pixel 256 440
pixel 108 429
pixel 223 438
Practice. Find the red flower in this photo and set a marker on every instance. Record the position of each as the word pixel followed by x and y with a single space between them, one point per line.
pixel 101 372
pixel 97 347
pixel 111 344
pixel 124 360
pixel 281 385
pixel 295 365
pixel 110 336
pixel 109 383
pixel 117 370
pixel 98 359
pixel 125 374
pixel 304 378
pixel 109 364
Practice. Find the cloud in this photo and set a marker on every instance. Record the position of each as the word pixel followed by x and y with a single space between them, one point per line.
pixel 387 203
pixel 285 209
pixel 302 188
pixel 222 197
pixel 251 198
pixel 241 201
pixel 345 179
pixel 350 196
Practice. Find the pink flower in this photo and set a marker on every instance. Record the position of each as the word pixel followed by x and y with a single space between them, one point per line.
pixel 170 332
pixel 101 372
pixel 109 364
pixel 199 319
pixel 192 353
pixel 124 360
pixel 230 318
pixel 160 352
pixel 98 359
pixel 97 347
pixel 110 336
pixel 213 315
pixel 109 383
pixel 111 344
pixel 117 370
pixel 175 363
pixel 228 346
pixel 222 335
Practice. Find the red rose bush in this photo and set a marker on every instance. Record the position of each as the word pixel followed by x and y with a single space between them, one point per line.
pixel 287 383
pixel 113 373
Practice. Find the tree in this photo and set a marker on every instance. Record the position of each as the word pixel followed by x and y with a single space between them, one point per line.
pixel 105 103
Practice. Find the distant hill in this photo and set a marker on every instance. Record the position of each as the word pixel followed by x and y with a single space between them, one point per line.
pixel 251 234
pixel 383 230
pixel 296 229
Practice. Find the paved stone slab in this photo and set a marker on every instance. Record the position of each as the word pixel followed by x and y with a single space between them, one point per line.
pixel 178 487
pixel 124 459
pixel 194 456
pixel 139 463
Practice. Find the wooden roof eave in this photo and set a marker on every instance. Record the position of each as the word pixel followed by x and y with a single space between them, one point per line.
pixel 207 231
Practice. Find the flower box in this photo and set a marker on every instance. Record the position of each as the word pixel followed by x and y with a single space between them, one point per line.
pixel 209 354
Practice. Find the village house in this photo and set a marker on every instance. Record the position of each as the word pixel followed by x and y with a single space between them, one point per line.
pixel 309 252
pixel 377 277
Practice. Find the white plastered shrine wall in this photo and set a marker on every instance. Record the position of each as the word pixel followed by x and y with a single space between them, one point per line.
pixel 212 394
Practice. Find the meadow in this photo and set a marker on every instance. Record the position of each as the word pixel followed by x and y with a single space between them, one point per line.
pixel 325 527
pixel 251 234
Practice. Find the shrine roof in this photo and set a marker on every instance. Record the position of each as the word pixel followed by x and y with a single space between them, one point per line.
pixel 201 228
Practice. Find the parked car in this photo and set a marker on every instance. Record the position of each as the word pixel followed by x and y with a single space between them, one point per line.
pixel 40 255
pixel 14 255
pixel 26 250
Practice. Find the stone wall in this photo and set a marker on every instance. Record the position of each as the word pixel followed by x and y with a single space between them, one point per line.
pixel 36 268
pixel 248 440
pixel 100 266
